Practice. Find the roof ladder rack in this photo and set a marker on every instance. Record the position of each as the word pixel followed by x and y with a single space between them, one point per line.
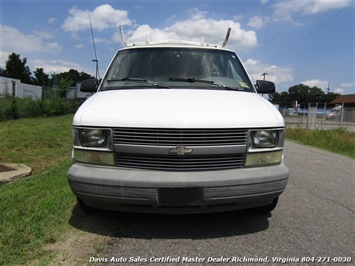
pixel 122 36
pixel 227 37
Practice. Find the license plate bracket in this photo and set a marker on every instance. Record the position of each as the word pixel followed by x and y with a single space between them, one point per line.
pixel 180 197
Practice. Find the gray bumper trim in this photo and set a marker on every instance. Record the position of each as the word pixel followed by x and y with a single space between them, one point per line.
pixel 137 190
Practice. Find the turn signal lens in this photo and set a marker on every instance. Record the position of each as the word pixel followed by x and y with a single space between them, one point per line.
pixel 94 157
pixel 263 159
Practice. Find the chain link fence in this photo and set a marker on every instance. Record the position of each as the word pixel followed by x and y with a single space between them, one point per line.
pixel 319 116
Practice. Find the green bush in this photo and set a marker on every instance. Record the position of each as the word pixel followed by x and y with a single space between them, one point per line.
pixel 28 107
pixel 13 108
pixel 5 107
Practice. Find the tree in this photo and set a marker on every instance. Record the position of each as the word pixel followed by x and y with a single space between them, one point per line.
pixel 16 68
pixel 64 80
pixel 303 94
pixel 331 96
pixel 299 93
pixel 2 72
pixel 41 78
pixel 74 75
pixel 316 94
pixel 62 84
pixel 280 98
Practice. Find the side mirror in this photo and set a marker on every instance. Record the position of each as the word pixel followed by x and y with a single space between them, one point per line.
pixel 263 86
pixel 89 85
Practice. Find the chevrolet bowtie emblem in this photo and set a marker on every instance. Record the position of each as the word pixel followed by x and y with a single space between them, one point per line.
pixel 180 151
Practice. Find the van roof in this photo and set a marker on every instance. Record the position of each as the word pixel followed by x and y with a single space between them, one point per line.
pixel 174 43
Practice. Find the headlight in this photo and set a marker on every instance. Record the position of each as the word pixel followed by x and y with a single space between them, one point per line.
pixel 264 138
pixel 97 138
pixel 93 146
pixel 93 137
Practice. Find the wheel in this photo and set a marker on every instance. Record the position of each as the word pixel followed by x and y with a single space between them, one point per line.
pixel 85 207
pixel 267 208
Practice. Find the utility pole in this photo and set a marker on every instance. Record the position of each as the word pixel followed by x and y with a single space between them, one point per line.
pixel 97 74
pixel 264 74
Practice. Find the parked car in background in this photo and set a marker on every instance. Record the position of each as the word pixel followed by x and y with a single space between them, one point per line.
pixel 334 114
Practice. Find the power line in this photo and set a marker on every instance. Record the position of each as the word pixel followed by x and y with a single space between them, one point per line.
pixel 312 32
pixel 278 34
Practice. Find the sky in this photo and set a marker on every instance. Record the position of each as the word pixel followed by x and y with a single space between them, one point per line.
pixel 295 41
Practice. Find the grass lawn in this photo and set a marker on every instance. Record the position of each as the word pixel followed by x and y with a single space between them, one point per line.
pixel 35 210
pixel 36 142
pixel 338 140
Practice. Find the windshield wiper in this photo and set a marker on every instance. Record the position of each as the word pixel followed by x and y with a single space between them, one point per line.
pixel 208 82
pixel 140 80
pixel 192 80
pixel 128 79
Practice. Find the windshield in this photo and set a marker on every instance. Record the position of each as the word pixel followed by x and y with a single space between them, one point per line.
pixel 176 68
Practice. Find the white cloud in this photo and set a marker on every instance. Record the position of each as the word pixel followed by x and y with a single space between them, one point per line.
pixel 276 74
pixel 348 85
pixel 339 90
pixel 238 17
pixel 3 57
pixel 16 41
pixel 52 47
pixel 19 42
pixel 101 40
pixel 54 66
pixel 44 34
pixel 285 9
pixel 79 46
pixel 52 20
pixel 102 17
pixel 193 29
pixel 257 22
pixel 319 6
pixel 141 33
pixel 323 84
pixel 347 88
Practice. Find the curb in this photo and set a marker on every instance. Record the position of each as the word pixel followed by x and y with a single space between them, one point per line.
pixel 13 171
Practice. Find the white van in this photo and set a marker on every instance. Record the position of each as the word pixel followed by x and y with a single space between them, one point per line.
pixel 334 114
pixel 177 127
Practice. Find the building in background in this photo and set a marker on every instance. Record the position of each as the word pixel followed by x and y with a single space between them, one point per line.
pixel 14 87
pixel 347 103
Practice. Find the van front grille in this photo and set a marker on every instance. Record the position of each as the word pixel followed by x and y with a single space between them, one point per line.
pixel 180 163
pixel 177 137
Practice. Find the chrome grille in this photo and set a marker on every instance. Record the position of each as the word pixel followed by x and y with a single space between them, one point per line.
pixel 181 163
pixel 177 137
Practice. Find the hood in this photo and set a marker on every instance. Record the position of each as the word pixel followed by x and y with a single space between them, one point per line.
pixel 177 108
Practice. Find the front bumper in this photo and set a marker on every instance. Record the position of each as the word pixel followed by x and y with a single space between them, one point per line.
pixel 150 191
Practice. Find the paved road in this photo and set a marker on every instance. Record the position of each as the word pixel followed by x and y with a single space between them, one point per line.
pixel 314 218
